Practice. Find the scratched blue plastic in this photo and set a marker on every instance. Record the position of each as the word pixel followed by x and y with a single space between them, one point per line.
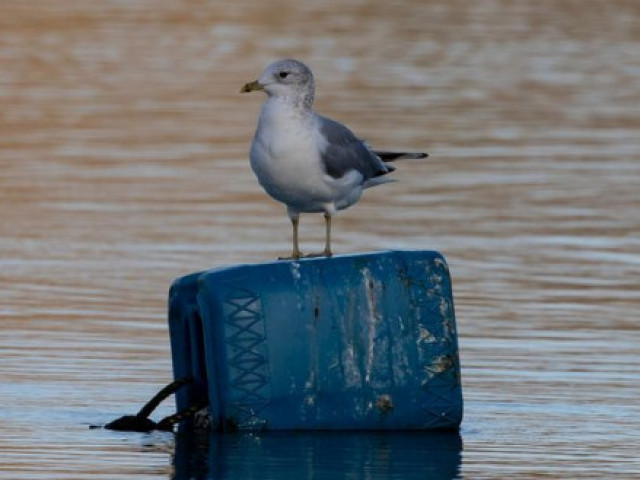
pixel 365 341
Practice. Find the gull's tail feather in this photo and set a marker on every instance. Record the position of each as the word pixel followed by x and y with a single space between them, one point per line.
pixel 392 156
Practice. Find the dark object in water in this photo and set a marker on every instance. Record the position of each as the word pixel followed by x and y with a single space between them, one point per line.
pixel 141 421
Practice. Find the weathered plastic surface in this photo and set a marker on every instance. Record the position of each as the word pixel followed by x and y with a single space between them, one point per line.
pixel 363 341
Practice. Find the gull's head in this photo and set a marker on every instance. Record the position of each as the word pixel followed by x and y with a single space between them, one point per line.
pixel 287 79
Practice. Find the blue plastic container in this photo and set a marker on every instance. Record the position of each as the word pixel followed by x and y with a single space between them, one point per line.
pixel 363 341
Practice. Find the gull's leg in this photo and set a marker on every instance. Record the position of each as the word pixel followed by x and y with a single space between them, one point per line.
pixel 327 243
pixel 295 221
pixel 296 253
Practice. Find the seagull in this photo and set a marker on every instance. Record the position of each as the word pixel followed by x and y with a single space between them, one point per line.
pixel 310 163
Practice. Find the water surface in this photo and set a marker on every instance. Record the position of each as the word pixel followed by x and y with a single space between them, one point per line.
pixel 123 159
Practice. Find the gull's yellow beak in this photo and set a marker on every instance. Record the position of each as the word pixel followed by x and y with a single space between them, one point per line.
pixel 251 87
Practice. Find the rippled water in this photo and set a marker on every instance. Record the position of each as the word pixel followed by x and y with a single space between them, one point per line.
pixel 123 159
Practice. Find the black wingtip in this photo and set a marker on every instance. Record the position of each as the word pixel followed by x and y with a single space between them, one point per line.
pixel 392 156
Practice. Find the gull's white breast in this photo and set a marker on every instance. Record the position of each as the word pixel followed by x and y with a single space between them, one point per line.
pixel 285 156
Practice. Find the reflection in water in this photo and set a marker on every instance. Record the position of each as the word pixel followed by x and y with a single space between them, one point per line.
pixel 320 455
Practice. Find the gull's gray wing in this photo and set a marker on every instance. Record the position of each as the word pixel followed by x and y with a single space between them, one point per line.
pixel 345 152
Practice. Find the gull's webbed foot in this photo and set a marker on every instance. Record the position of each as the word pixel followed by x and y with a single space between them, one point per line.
pixel 308 255
pixel 295 255
pixel 324 253
pixel 292 257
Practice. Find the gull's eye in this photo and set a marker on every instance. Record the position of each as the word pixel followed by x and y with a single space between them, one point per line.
pixel 283 74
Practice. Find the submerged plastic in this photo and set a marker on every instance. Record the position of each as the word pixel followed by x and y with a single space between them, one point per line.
pixel 364 341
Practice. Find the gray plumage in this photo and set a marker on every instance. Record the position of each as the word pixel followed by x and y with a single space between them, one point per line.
pixel 345 152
